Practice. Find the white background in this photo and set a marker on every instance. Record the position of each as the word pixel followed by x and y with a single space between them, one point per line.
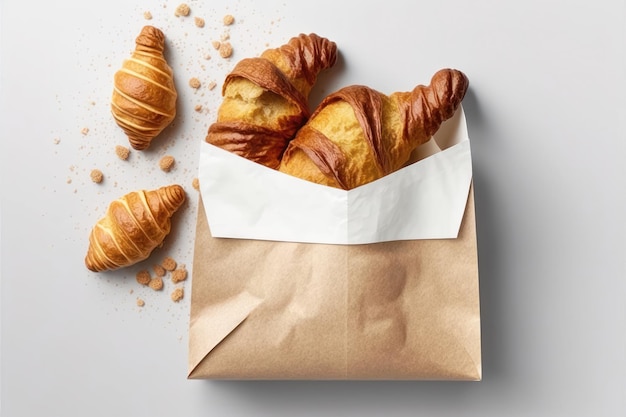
pixel 545 113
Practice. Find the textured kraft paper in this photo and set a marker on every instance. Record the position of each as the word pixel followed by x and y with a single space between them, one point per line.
pixel 284 310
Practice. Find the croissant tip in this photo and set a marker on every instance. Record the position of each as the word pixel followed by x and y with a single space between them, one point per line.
pixel 91 265
pixel 151 37
pixel 139 146
pixel 176 194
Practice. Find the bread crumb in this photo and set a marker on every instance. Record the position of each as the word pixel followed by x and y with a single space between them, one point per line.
pixel 207 57
pixel 169 263
pixel 96 176
pixel 143 277
pixel 182 10
pixel 198 108
pixel 122 152
pixel 56 141
pixel 159 271
pixel 166 163
pixel 140 302
pixel 225 36
pixel 226 50
pixel 199 22
pixel 147 15
pixel 177 294
pixel 195 183
pixel 156 283
pixel 212 85
pixel 179 275
pixel 216 44
pixel 229 19
pixel 194 83
pixel 69 181
pixel 84 130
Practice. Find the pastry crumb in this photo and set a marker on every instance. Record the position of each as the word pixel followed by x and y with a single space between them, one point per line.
pixel 177 294
pixel 156 283
pixel 226 50
pixel 212 85
pixel 182 10
pixel 56 141
pixel 96 176
pixel 166 163
pixel 195 183
pixel 143 277
pixel 140 302
pixel 147 15
pixel 169 263
pixel 179 275
pixel 159 271
pixel 198 108
pixel 84 130
pixel 122 152
pixel 229 19
pixel 216 44
pixel 225 36
pixel 194 83
pixel 207 57
pixel 198 21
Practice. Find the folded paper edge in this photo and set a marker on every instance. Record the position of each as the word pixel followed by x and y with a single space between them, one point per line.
pixel 211 326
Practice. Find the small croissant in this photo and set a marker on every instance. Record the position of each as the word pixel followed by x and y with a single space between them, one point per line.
pixel 358 135
pixel 266 98
pixel 144 96
pixel 133 226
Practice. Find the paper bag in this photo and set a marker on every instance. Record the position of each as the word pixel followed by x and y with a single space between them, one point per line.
pixel 398 309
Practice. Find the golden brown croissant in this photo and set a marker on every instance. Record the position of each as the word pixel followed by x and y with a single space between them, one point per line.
pixel 144 96
pixel 133 226
pixel 266 98
pixel 357 135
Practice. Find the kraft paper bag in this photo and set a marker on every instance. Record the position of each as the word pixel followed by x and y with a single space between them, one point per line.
pixel 397 307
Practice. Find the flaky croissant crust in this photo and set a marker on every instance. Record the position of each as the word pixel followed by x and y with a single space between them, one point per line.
pixel 144 95
pixel 133 226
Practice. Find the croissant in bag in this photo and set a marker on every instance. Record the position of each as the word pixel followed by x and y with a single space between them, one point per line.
pixel 133 226
pixel 144 96
pixel 358 135
pixel 266 98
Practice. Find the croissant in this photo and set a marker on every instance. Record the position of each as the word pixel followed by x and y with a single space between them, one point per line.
pixel 266 98
pixel 357 135
pixel 144 96
pixel 133 226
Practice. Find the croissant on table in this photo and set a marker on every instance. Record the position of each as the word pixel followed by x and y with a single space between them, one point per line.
pixel 144 95
pixel 357 134
pixel 266 98
pixel 133 226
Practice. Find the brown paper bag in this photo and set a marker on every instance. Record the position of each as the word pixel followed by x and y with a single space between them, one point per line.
pixel 281 310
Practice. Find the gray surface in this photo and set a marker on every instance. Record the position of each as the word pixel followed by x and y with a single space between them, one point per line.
pixel 545 113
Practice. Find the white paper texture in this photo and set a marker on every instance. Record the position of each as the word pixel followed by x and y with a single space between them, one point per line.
pixel 425 200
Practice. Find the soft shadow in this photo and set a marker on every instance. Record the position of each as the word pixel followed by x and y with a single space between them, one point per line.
pixel 334 396
pixel 495 350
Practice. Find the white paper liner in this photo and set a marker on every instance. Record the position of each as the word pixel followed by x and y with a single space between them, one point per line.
pixel 425 200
